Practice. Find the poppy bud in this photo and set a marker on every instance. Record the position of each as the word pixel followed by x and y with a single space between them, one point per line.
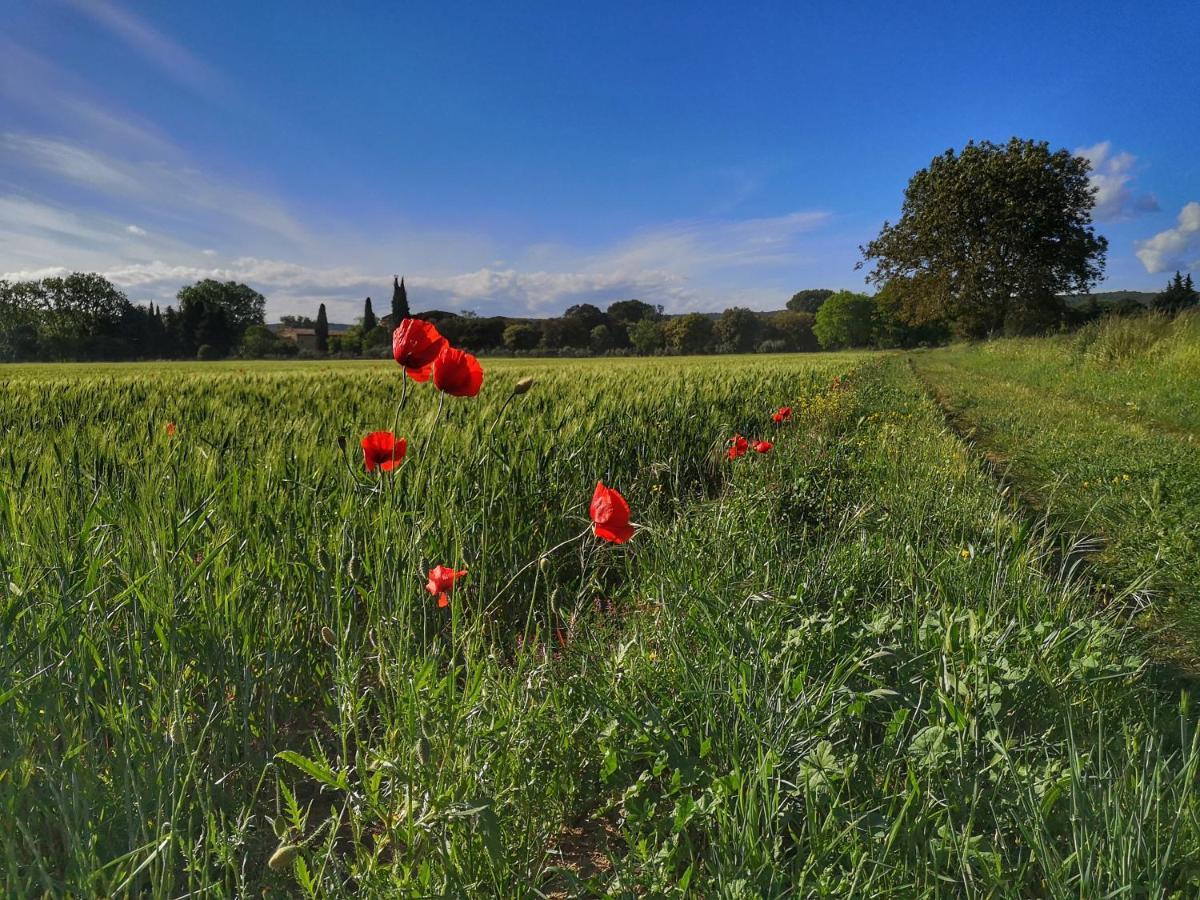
pixel 544 565
pixel 423 750
pixel 328 636
pixel 354 568
pixel 342 442
pixel 523 385
pixel 282 857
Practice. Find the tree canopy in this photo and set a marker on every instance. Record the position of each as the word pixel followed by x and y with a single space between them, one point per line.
pixel 994 235
pixel 243 306
pixel 738 330
pixel 626 312
pixel 809 301
pixel 690 333
pixel 844 320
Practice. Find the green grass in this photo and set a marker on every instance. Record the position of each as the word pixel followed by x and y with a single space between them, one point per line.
pixel 850 667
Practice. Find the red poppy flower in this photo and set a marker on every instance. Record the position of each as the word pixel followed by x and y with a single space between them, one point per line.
pixel 441 582
pixel 415 345
pixel 785 413
pixel 610 515
pixel 763 446
pixel 171 429
pixel 738 446
pixel 380 448
pixel 457 372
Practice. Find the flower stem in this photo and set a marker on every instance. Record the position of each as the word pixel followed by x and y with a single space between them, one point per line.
pixel 537 559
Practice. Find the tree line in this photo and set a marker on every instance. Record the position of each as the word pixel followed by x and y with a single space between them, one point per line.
pixel 84 317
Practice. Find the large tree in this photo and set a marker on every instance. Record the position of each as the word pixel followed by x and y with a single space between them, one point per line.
pixel 588 315
pixel 521 336
pixel 738 330
pixel 369 321
pixel 215 314
pixel 994 235
pixel 243 306
pixel 646 336
pixel 844 320
pixel 690 333
pixel 626 312
pixel 795 329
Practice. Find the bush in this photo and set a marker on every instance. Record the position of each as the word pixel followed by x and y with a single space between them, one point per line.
pixel 773 346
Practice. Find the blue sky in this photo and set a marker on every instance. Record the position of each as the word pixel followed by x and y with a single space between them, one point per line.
pixel 521 157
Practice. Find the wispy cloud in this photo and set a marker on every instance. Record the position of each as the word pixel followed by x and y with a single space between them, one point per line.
pixel 1175 248
pixel 682 266
pixel 161 51
pixel 161 187
pixel 35 235
pixel 95 189
pixel 66 104
pixel 1111 175
pixel 706 244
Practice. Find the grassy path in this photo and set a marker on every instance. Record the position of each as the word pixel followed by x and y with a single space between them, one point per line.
pixel 1113 471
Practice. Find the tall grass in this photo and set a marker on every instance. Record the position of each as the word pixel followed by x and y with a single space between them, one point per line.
pixel 1167 342
pixel 845 668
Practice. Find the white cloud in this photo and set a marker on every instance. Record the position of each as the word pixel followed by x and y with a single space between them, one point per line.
pixel 1175 248
pixel 134 230
pixel 1111 175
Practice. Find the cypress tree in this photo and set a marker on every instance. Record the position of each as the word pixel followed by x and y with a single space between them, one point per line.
pixel 399 302
pixel 322 330
pixel 369 321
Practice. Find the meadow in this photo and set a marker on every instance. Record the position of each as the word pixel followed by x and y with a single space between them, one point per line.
pixel 854 665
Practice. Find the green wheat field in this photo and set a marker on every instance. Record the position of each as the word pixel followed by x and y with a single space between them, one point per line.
pixel 938 642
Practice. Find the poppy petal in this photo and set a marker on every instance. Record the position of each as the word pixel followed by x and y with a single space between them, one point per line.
pixel 419 373
pixel 617 534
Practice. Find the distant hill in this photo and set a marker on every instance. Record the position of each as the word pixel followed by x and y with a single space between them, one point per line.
pixel 1111 298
